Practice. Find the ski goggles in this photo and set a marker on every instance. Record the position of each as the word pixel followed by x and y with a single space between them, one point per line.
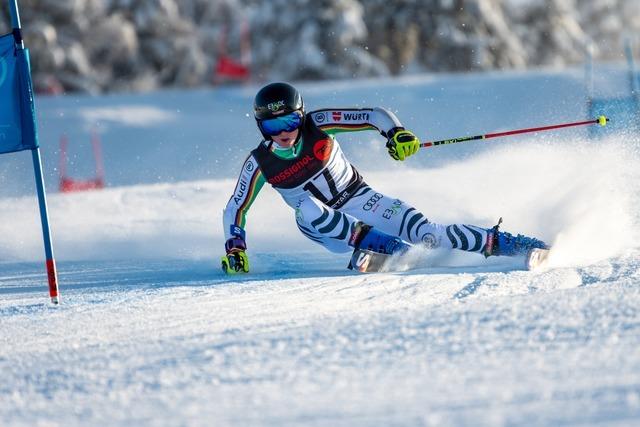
pixel 277 125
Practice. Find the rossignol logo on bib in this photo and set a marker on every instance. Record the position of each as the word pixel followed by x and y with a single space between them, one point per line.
pixel 291 170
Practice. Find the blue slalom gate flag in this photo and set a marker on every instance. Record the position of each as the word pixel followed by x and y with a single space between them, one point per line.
pixel 18 125
pixel 17 114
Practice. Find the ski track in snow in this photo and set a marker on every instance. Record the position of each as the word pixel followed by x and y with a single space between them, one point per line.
pixel 174 343
pixel 150 332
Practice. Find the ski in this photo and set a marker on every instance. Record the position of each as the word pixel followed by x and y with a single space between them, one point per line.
pixel 366 261
pixel 536 259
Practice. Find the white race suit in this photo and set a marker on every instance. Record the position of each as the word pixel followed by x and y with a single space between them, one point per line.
pixel 329 195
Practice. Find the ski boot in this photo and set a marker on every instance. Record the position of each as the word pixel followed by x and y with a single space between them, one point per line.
pixel 373 249
pixel 366 237
pixel 501 243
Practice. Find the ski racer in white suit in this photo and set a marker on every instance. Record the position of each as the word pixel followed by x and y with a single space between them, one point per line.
pixel 301 158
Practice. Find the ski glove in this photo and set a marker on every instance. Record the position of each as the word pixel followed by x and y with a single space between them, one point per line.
pixel 236 259
pixel 401 143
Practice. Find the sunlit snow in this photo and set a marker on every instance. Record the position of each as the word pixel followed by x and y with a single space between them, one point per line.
pixel 150 332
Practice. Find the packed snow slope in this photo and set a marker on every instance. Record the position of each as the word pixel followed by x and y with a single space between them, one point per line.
pixel 151 333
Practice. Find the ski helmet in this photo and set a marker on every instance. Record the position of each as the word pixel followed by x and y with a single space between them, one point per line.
pixel 276 99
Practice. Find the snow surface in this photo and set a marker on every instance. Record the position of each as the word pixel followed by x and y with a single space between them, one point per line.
pixel 150 332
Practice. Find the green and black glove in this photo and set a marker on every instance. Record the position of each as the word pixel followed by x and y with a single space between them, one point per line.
pixel 401 143
pixel 236 259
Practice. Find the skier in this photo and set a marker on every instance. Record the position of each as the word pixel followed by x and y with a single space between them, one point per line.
pixel 334 206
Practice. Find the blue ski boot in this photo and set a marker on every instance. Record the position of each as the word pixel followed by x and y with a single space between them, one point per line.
pixel 366 237
pixel 505 244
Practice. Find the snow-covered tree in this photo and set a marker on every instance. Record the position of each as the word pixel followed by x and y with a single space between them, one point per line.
pixel 103 45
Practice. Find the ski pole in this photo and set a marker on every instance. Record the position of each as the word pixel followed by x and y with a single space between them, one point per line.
pixel 602 121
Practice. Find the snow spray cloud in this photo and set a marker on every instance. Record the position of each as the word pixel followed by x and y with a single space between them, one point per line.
pixel 580 196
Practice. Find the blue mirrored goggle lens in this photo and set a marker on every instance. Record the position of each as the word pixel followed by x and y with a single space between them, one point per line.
pixel 277 125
